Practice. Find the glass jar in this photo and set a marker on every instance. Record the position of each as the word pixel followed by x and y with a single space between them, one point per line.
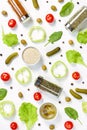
pixel 19 10
pixel 45 85
pixel 77 19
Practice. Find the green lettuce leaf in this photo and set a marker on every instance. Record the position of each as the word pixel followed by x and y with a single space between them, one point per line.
pixel 28 114
pixel 74 56
pixel 82 37
pixel 9 39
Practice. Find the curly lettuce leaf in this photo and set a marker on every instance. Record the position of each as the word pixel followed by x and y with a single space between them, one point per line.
pixel 28 114
pixel 9 39
pixel 82 37
pixel 74 56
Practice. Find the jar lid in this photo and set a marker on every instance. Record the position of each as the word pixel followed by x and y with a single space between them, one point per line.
pixel 25 18
pixel 68 27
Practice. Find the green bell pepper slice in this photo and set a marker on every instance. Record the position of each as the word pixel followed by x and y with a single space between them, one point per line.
pixel 56 65
pixel 23 75
pixel 38 29
pixel 3 109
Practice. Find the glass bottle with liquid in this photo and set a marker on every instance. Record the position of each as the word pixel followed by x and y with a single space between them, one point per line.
pixel 77 20
pixel 19 10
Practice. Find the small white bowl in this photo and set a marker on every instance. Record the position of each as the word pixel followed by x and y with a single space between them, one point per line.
pixel 31 55
pixel 48 111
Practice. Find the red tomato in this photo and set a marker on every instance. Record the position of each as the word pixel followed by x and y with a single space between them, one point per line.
pixel 37 96
pixel 12 23
pixel 49 18
pixel 68 125
pixel 13 125
pixel 76 75
pixel 5 76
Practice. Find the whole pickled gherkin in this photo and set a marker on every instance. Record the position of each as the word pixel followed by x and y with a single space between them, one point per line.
pixel 11 57
pixel 35 4
pixel 52 52
pixel 81 90
pixel 74 94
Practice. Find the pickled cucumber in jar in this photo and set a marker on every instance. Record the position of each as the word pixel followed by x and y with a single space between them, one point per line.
pixel 48 111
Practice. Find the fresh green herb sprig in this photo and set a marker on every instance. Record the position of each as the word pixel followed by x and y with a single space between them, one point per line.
pixel 3 93
pixel 54 37
pixel 67 9
pixel 72 113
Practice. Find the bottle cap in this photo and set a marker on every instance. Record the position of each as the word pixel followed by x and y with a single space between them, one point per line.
pixel 68 27
pixel 25 18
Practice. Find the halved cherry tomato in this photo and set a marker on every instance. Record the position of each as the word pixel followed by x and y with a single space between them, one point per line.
pixel 49 18
pixel 37 96
pixel 76 75
pixel 68 125
pixel 13 125
pixel 5 76
pixel 12 23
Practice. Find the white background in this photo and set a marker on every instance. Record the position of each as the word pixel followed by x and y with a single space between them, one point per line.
pixel 65 83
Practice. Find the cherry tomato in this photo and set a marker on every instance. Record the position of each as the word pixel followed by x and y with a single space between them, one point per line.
pixel 13 125
pixel 76 75
pixel 37 96
pixel 68 125
pixel 5 76
pixel 49 18
pixel 12 23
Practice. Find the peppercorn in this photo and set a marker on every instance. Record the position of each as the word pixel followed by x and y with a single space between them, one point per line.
pixel 4 13
pixel 20 94
pixel 52 127
pixel 23 42
pixel 54 8
pixel 67 99
pixel 70 42
pixel 44 67
pixel 39 20
pixel 60 0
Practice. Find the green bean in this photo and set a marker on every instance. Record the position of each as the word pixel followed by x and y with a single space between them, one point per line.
pixel 11 57
pixel 35 4
pixel 81 90
pixel 74 94
pixel 52 52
